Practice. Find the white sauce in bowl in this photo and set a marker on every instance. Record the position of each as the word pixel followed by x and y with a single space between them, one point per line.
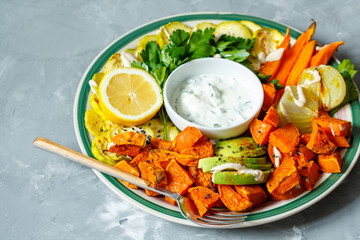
pixel 212 101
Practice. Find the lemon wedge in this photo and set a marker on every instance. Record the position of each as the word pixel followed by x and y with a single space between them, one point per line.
pixel 129 96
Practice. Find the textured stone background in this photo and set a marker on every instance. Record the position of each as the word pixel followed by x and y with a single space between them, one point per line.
pixel 45 46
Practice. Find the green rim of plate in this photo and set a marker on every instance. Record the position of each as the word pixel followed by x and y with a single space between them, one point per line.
pixel 349 157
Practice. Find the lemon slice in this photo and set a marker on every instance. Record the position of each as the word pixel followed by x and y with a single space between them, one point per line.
pixel 129 96
pixel 326 83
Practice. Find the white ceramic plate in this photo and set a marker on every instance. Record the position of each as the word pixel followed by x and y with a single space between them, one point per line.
pixel 270 211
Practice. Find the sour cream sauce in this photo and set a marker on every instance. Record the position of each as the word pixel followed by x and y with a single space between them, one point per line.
pixel 212 101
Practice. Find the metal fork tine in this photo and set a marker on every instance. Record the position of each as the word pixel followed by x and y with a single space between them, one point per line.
pixel 220 222
pixel 223 218
pixel 213 212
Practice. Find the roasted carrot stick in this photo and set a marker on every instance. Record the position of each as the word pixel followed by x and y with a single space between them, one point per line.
pixel 301 63
pixel 323 56
pixel 293 54
pixel 270 68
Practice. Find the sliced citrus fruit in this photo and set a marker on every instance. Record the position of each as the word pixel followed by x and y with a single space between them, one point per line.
pixel 266 41
pixel 232 28
pixel 129 96
pixel 326 83
pixel 299 106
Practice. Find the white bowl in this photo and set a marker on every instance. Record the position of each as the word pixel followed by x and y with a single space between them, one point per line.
pixel 226 69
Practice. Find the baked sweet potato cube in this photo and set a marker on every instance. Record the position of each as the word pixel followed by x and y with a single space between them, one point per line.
pixel 277 158
pixel 269 95
pixel 253 193
pixel 129 138
pixel 202 179
pixel 141 157
pixel 203 198
pixel 260 131
pixel 339 141
pixel 179 180
pixel 143 167
pixel 303 155
pixel 161 158
pixel 305 138
pixel 160 144
pixel 330 163
pixel 127 150
pixel 186 138
pixel 285 138
pixel 333 126
pixel 319 142
pixel 127 167
pixel 232 200
pixel 272 117
pixel 202 149
pixel 309 173
pixel 323 114
pixel 285 182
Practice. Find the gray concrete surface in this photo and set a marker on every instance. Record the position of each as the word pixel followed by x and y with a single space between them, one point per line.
pixel 45 46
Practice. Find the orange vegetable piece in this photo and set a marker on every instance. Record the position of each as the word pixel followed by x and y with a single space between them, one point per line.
pixel 301 63
pixel 333 126
pixel 324 55
pixel 339 141
pixel 162 158
pixel 285 138
pixel 203 198
pixel 127 167
pixel 319 142
pixel 278 96
pixel 309 173
pixel 272 117
pixel 179 180
pixel 285 182
pixel 323 114
pixel 269 95
pixel 141 157
pixel 260 131
pixel 129 138
pixel 271 68
pixel 293 54
pixel 186 138
pixel 304 155
pixel 253 193
pixel 330 163
pixel 202 149
pixel 305 138
pixel 232 200
pixel 143 166
pixel 202 179
pixel 128 150
pixel 160 144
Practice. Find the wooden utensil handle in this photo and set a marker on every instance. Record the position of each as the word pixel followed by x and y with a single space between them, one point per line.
pixel 70 154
